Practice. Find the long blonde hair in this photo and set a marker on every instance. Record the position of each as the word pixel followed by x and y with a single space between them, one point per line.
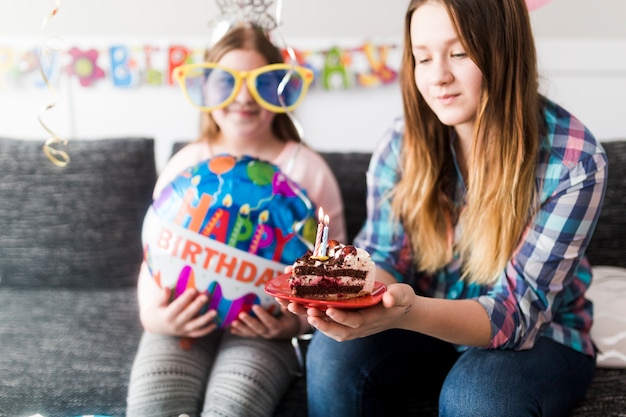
pixel 501 186
pixel 250 37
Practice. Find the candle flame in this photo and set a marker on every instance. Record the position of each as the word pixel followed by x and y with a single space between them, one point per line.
pixel 326 220
pixel 264 216
pixel 320 214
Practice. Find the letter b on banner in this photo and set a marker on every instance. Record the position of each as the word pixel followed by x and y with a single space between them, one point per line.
pixel 120 66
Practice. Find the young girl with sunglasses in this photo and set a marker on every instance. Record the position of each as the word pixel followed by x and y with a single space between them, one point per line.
pixel 481 203
pixel 244 90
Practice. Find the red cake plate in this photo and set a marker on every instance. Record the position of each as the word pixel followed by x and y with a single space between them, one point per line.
pixel 279 288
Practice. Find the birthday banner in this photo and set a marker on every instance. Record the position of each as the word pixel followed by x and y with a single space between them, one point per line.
pixel 121 65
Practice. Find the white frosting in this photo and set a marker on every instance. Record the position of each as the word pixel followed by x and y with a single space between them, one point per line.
pixel 359 261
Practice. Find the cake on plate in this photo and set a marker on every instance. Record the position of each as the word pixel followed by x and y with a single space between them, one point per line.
pixel 342 272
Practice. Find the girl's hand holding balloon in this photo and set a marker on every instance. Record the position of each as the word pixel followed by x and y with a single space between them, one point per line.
pixel 181 317
pixel 264 324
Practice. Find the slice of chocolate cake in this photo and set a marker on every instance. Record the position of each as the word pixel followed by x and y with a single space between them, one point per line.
pixel 344 272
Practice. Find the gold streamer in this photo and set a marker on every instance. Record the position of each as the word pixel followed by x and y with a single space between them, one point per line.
pixel 51 14
pixel 56 156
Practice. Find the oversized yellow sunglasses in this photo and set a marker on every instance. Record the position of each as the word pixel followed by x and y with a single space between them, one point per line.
pixel 277 87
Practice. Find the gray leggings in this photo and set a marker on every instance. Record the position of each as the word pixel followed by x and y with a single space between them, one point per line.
pixel 220 374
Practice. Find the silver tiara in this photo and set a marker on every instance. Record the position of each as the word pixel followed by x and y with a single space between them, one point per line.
pixel 233 12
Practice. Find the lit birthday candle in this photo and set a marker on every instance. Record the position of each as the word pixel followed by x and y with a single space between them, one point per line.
pixel 318 236
pixel 324 244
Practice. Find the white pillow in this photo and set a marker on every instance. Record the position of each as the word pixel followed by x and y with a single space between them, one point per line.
pixel 608 293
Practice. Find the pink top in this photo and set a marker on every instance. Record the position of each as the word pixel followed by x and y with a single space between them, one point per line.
pixel 299 162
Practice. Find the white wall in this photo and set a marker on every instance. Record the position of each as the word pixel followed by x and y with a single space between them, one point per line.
pixel 582 59
pixel 330 18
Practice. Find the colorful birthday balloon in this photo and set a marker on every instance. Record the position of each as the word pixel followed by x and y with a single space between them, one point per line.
pixel 227 226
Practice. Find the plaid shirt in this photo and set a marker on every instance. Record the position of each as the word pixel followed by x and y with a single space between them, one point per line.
pixel 541 290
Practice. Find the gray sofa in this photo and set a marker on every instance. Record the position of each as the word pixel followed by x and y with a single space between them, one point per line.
pixel 69 255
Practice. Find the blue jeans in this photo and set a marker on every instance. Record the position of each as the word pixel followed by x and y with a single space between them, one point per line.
pixel 391 373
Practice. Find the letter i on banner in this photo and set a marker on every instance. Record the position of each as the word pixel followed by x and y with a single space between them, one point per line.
pixel 152 76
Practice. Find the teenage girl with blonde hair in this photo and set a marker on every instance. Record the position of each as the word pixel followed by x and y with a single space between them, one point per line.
pixel 481 203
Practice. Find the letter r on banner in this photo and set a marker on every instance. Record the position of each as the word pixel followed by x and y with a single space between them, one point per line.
pixel 177 56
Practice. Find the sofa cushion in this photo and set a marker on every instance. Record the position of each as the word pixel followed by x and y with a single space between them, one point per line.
pixel 65 352
pixel 75 226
